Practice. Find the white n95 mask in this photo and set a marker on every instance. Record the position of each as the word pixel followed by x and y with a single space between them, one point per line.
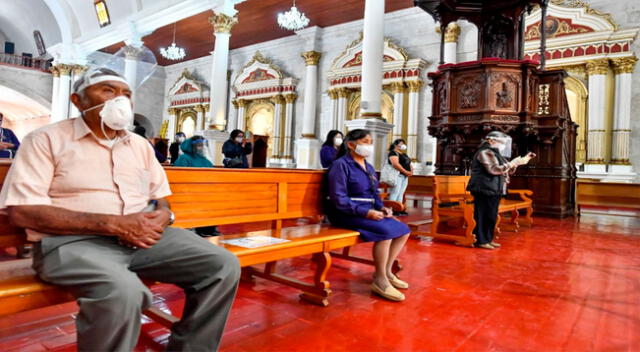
pixel 364 150
pixel 116 113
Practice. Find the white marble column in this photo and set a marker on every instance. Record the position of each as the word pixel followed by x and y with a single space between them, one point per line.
pixel 287 144
pixel 276 152
pixel 380 133
pixel 398 109
pixel 343 108
pixel 412 119
pixel 200 117
pixel 597 71
pixel 222 25
pixel 311 59
pixel 55 93
pixel 623 69
pixel 333 95
pixel 171 126
pixel 451 43
pixel 78 71
pixel 64 90
pixel 372 59
pixel 241 119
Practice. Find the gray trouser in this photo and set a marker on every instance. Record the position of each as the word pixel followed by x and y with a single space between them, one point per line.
pixel 105 278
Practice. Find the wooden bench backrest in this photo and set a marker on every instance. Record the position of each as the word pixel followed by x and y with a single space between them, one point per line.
pixel 205 197
pixel 421 184
pixel 608 194
pixel 446 188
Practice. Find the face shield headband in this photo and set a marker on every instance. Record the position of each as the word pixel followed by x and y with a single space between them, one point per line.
pixel 505 149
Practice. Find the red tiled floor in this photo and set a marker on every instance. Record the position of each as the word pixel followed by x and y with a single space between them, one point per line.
pixel 564 285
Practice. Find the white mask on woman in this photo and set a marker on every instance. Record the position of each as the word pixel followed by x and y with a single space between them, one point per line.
pixel 403 147
pixel 364 150
pixel 337 142
pixel 116 113
pixel 239 139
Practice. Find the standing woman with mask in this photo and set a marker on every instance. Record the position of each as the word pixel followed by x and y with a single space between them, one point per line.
pixel 490 173
pixel 235 151
pixel 330 148
pixel 174 148
pixel 401 162
pixel 354 203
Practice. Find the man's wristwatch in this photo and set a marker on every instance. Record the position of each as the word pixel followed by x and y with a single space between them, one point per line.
pixel 172 217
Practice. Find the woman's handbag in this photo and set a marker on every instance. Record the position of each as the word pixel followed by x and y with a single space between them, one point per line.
pixel 389 175
pixel 233 162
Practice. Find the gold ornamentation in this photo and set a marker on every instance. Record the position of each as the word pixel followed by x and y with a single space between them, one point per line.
pixel 311 58
pixel 397 87
pixel 597 67
pixel 588 9
pixel 172 111
pixel 235 103
pixel 242 103
pixel 223 23
pixel 343 92
pixel 290 98
pixel 308 135
pixel 164 128
pixel 198 108
pixel 64 69
pixel 414 86
pixel 54 71
pixel 452 33
pixel 387 41
pixel 333 94
pixel 258 57
pixel 576 70
pixel 624 64
pixel 277 99
pixel 79 69
pixel 206 107
pixel 543 99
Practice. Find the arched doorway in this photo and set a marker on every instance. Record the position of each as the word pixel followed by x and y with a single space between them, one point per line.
pixel 22 114
pixel 577 97
pixel 186 122
pixel 260 121
pixel 353 110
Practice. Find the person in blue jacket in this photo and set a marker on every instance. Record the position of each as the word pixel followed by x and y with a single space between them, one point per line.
pixel 9 143
pixel 330 148
pixel 354 203
pixel 235 151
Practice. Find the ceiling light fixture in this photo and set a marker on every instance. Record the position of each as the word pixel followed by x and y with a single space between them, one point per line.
pixel 173 52
pixel 293 19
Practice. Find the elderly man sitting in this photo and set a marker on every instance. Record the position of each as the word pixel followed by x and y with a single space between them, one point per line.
pixel 91 196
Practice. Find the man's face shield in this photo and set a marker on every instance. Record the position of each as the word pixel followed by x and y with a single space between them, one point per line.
pixel 503 144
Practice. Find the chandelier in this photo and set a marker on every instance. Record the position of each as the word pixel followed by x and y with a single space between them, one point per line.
pixel 173 52
pixel 293 19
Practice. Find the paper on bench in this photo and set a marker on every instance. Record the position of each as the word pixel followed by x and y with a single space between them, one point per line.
pixel 254 241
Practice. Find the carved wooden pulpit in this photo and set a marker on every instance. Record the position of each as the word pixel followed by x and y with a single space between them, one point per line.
pixel 500 91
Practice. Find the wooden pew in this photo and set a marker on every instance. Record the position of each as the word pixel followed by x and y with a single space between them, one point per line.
pixel 607 194
pixel 452 202
pixel 205 197
pixel 420 188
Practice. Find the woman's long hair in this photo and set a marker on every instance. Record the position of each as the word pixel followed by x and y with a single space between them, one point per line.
pixel 352 136
pixel 395 143
pixel 330 136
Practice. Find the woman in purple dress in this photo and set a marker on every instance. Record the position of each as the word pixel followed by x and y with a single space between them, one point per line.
pixel 354 203
pixel 330 148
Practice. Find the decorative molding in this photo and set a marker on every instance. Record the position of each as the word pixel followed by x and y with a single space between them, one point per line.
pixel 79 69
pixel 576 70
pixel 398 87
pixel 583 4
pixel 64 69
pixel 54 71
pixel 414 86
pixel 343 92
pixel 597 67
pixel 543 99
pixel 260 78
pixel 311 58
pixel 452 33
pixel 277 99
pixel 290 98
pixel 241 103
pixel 333 94
pixel 222 23
pixel 624 65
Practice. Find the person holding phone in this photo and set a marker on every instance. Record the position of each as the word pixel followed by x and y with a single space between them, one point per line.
pixel 490 173
pixel 354 203
pixel 235 151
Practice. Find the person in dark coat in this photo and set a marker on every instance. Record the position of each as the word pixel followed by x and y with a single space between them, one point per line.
pixel 330 148
pixel 354 203
pixel 142 132
pixel 174 148
pixel 9 143
pixel 235 151
pixel 490 173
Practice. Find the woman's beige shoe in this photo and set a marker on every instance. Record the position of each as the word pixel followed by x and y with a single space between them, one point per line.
pixel 495 244
pixel 397 283
pixel 389 293
pixel 486 246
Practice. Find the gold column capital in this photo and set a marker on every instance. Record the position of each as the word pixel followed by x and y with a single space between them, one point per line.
pixel 343 92
pixel 597 67
pixel 242 103
pixel 311 58
pixel 131 52
pixel 290 98
pixel 277 99
pixel 54 71
pixel 223 23
pixel 452 33
pixel 79 69
pixel 172 111
pixel 64 69
pixel 235 103
pixel 397 87
pixel 333 94
pixel 206 107
pixel 414 86
pixel 624 64
pixel 198 108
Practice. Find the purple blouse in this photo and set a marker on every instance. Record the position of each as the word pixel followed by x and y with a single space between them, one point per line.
pixel 348 180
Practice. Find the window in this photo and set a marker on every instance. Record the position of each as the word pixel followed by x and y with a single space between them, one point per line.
pixel 102 12
pixel 39 43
